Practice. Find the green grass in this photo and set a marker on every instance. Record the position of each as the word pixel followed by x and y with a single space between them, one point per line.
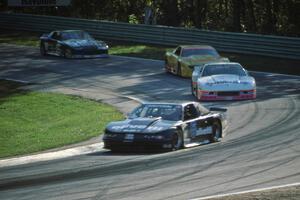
pixel 35 121
pixel 250 62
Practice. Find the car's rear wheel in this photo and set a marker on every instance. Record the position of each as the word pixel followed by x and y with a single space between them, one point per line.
pixel 43 50
pixel 216 132
pixel 177 140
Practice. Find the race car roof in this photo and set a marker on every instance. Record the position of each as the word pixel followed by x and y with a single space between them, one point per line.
pixel 196 47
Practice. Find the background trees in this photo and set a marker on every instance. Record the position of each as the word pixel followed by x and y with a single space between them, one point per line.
pixel 277 17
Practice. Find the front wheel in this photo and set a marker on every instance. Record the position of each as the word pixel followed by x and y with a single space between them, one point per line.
pixel 192 89
pixel 42 49
pixel 177 141
pixel 166 66
pixel 216 132
pixel 178 69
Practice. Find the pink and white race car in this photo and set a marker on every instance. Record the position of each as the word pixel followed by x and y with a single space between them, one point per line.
pixel 222 81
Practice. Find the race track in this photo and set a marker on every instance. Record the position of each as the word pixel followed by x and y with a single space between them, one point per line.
pixel 261 149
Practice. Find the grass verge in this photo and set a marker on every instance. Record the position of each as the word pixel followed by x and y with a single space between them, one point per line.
pixel 250 62
pixel 35 121
pixel 286 193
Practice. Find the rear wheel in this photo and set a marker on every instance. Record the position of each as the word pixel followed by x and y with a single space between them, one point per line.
pixel 216 132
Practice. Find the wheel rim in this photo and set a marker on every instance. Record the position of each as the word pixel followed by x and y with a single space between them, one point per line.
pixel 217 132
pixel 68 53
pixel 176 142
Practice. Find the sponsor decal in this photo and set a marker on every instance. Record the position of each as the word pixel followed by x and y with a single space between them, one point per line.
pixel 204 131
pixel 227 82
pixel 135 128
pixel 129 137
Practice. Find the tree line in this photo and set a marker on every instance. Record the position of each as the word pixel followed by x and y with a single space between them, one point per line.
pixel 273 17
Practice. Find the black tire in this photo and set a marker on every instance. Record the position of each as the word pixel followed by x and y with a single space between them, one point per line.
pixel 43 51
pixel 166 66
pixel 177 141
pixel 67 53
pixel 192 89
pixel 217 132
pixel 178 69
pixel 196 93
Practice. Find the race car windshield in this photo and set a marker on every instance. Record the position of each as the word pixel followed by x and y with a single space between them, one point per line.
pixel 166 112
pixel 201 52
pixel 223 69
pixel 77 35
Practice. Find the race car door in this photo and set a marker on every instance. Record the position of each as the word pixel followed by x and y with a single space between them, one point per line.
pixel 52 42
pixel 197 127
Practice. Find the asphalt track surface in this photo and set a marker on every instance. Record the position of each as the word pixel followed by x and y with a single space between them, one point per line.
pixel 261 149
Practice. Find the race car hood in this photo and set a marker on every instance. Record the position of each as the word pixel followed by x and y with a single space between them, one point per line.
pixel 226 82
pixel 140 125
pixel 74 43
pixel 202 59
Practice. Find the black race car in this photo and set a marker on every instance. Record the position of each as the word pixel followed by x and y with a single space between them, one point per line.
pixel 72 44
pixel 168 126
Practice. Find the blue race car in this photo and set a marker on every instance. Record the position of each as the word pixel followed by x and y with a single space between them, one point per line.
pixel 168 126
pixel 72 44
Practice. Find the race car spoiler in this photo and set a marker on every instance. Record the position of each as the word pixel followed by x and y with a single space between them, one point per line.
pixel 218 109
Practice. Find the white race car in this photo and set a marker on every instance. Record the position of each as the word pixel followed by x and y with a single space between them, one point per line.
pixel 222 81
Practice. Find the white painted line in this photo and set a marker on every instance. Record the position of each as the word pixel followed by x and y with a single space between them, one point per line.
pixel 52 155
pixel 247 191
pixel 134 99
pixel 16 80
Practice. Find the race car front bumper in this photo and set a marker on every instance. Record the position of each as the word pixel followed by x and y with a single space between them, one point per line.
pixel 226 95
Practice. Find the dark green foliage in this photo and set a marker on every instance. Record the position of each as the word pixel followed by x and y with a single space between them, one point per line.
pixel 276 17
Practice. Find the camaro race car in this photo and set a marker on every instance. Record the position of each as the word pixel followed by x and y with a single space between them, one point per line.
pixel 72 44
pixel 222 81
pixel 184 58
pixel 168 126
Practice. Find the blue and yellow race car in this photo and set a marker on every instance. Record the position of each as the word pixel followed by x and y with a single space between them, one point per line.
pixel 182 60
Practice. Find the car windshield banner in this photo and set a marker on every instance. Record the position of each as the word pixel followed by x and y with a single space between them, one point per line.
pixel 27 3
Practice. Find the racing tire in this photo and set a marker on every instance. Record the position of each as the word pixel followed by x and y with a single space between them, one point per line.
pixel 43 51
pixel 178 69
pixel 196 93
pixel 192 89
pixel 216 132
pixel 177 141
pixel 68 53
pixel 166 66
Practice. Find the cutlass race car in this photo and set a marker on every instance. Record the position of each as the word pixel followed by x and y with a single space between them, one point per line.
pixel 222 81
pixel 72 44
pixel 184 58
pixel 168 126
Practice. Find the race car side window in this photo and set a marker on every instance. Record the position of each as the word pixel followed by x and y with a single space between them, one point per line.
pixel 56 36
pixel 177 51
pixel 190 112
